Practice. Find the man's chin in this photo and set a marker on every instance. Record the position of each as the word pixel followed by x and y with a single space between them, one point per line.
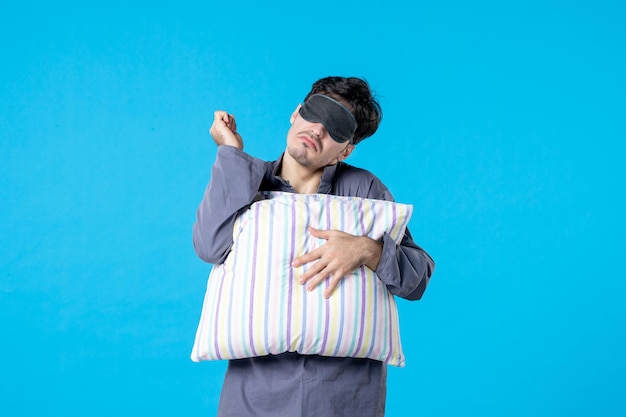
pixel 300 155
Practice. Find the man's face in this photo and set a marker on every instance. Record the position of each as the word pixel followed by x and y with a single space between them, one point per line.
pixel 310 144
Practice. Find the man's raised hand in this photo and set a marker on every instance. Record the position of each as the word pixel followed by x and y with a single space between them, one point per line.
pixel 224 130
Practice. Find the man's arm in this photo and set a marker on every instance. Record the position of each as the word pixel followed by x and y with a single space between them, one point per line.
pixel 235 180
pixel 404 268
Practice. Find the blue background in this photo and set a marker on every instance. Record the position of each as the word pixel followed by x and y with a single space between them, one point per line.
pixel 503 125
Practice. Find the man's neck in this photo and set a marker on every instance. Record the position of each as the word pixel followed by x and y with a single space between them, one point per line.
pixel 302 179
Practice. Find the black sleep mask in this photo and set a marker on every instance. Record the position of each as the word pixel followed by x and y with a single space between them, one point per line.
pixel 335 117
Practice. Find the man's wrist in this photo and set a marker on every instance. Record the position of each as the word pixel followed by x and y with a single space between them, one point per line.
pixel 374 250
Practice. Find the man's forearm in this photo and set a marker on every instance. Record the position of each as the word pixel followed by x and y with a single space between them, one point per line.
pixel 372 251
pixel 235 180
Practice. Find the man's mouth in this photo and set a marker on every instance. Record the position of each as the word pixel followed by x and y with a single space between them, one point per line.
pixel 309 141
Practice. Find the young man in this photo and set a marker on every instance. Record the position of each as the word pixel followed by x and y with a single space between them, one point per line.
pixel 335 116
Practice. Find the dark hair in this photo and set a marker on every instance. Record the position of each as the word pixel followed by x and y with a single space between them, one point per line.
pixel 356 94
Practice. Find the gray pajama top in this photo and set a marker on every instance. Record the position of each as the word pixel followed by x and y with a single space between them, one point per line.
pixel 291 384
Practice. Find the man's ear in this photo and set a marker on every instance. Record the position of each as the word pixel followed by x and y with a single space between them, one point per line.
pixel 295 114
pixel 346 153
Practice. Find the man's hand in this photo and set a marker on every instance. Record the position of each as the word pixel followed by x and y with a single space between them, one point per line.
pixel 339 256
pixel 224 130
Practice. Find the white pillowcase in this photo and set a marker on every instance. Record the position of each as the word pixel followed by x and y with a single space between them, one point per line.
pixel 254 305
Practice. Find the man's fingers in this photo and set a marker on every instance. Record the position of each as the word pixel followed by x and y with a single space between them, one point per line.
pixel 315 253
pixel 315 281
pixel 333 282
pixel 318 233
pixel 307 257
pixel 224 130
pixel 221 115
pixel 312 271
pixel 332 260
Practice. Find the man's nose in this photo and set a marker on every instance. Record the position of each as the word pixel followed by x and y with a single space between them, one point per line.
pixel 318 129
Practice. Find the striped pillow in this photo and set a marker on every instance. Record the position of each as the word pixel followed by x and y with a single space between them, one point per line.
pixel 254 306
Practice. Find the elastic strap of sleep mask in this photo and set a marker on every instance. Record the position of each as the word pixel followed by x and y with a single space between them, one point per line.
pixel 336 118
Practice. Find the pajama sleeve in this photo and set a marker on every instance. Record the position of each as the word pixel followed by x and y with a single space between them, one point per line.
pixel 235 180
